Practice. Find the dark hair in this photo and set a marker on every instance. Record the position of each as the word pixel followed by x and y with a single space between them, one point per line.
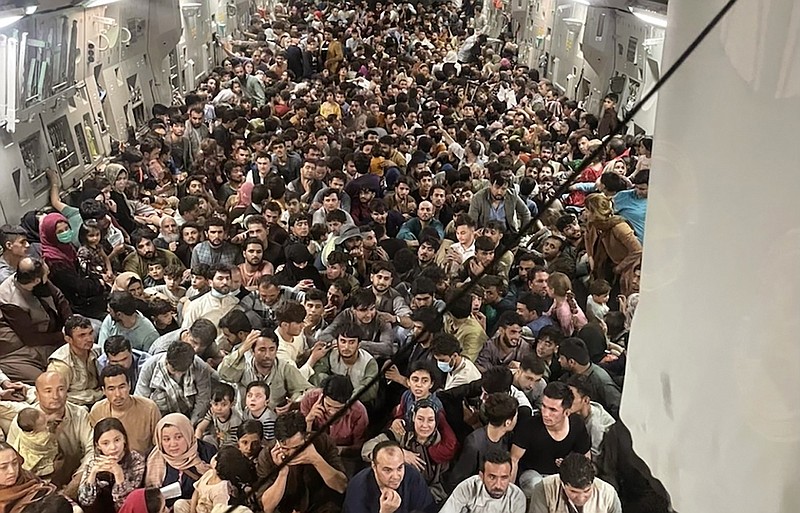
pixel 27 418
pixel 235 467
pixel 577 471
pixel 109 424
pixel 258 384
pixel 36 272
pixel 235 321
pixel 289 424
pixel 599 287
pixel 142 234
pixel 423 285
pixel 553 333
pixel 291 311
pixel 55 503
pixel 484 243
pixel 316 295
pixel 339 388
pixel 430 317
pixel 122 302
pixel 76 321
pixel 204 331
pixel 154 499
pixel 532 363
pixel 92 209
pixel 109 371
pixel 386 444
pixel 116 344
pixel 250 426
pixel 533 302
pixel 500 407
pixel 497 379
pixel 221 391
pixel 496 456
pixel 180 356
pixel 560 391
pixel 510 318
pixel 363 297
pixel 159 306
pixel 220 268
pixel 581 384
pixel 445 344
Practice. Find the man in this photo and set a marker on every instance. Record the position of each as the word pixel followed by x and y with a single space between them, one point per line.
pixel 458 321
pixel 531 309
pixel 555 258
pixel 307 186
pixel 32 314
pixel 147 253
pixel 235 326
pixel 529 379
pixel 261 304
pixel 315 303
pixel 178 381
pixel 216 249
pixel 331 200
pixel 609 119
pixel 216 303
pixel 573 356
pixel 459 370
pixel 377 336
pixel 15 247
pixel 77 362
pixel 491 491
pixel 575 488
pixel 256 360
pixel 389 302
pixel 254 265
pixel 117 350
pixel 139 415
pixel 597 419
pixel 427 323
pixel 389 485
pixel 292 342
pixel 124 319
pixel 348 359
pixel 201 335
pixel 319 405
pixel 196 131
pixel 313 481
pixel 463 249
pixel 543 441
pixel 632 204
pixel 506 347
pixel 412 229
pixel 519 284
pixel 286 163
pixel 73 432
pixel 426 253
pixel 501 413
pixel 547 350
pixel 497 202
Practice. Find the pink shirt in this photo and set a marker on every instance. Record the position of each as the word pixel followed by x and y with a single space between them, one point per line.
pixel 563 316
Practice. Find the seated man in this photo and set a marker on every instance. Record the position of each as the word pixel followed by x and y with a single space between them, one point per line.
pixel 77 362
pixel 529 379
pixel 201 335
pixel 598 421
pixel 377 336
pixel 348 359
pixel 124 319
pixel 312 482
pixel 491 491
pixel 293 344
pixel 411 229
pixel 178 381
pixel 459 370
pixel 458 321
pixel 146 252
pixel 256 360
pixel 391 305
pixel 74 434
pixel 575 485
pixel 320 404
pixel 138 414
pixel 388 485
pixel 118 351
pixel 32 314
pixel 260 304
pixel 574 359
pixel 507 345
pixel 216 303
pixel 531 307
pixel 543 441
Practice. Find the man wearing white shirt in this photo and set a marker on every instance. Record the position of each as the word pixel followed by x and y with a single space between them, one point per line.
pixel 460 370
pixel 291 339
pixel 491 491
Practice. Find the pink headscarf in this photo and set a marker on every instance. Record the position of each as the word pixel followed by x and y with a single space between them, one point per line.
pixel 245 192
pixel 135 502
pixel 55 253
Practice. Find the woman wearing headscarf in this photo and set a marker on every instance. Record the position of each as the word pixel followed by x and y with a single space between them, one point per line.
pixel 117 175
pixel 19 488
pixel 299 267
pixel 30 224
pixel 611 244
pixel 129 281
pixel 85 292
pixel 178 456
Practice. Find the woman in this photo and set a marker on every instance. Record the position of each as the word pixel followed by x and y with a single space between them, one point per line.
pixel 178 456
pixel 30 223
pixel 145 500
pixel 429 445
pixel 117 175
pixel 18 487
pixel 129 281
pixel 299 267
pixel 85 292
pixel 613 249
pixel 113 473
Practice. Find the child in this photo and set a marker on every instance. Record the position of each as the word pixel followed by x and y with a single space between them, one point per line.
pixel 226 483
pixel 221 416
pixel 421 383
pixel 565 311
pixel 257 404
pixel 35 443
pixel 201 274
pixel 172 290
pixel 162 313
pixel 92 258
pixel 597 302
pixel 155 274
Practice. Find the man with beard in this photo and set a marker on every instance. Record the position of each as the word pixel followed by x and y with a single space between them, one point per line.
pixel 216 249
pixel 347 359
pixel 498 202
pixel 190 236
pixel 491 491
pixel 147 253
pixel 412 229
pixel 519 284
pixel 235 174
pixel 531 307
pixel 426 253
pixel 254 266
pixel 214 305
pixel 391 306
pixel 32 314
pixel 168 238
pixel 537 283
pixel 196 131
pixel 507 345
pixel 259 228
pixel 286 164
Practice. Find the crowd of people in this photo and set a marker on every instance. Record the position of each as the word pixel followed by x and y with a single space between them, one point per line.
pixel 361 201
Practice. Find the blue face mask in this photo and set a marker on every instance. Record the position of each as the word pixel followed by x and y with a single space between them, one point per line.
pixel 444 367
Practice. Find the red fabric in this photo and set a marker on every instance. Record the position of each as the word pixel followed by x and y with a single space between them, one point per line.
pixel 55 252
pixel 135 502
pixel 445 450
pixel 588 175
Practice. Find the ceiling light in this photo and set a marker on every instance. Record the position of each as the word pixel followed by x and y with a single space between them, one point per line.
pixel 31 9
pixel 653 18
pixel 582 2
pixel 97 3
pixel 10 19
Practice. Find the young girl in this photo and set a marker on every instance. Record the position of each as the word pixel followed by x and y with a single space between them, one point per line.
pixel 92 258
pixel 226 483
pixel 113 473
pixel 565 311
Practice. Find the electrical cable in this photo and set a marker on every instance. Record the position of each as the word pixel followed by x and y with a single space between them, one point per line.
pixel 462 292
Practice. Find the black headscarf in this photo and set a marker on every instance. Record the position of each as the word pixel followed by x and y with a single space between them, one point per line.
pixel 291 274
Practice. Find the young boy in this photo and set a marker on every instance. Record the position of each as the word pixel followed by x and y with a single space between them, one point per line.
pixel 223 420
pixel 35 443
pixel 155 274
pixel 597 302
pixel 162 313
pixel 172 290
pixel 257 408
pixel 421 381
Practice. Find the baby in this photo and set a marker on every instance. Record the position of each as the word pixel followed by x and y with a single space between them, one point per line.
pixel 36 444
